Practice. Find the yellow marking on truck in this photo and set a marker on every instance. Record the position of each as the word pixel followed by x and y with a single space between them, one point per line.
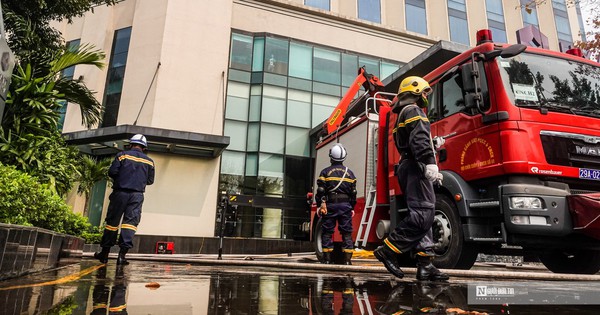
pixel 335 116
pixel 69 278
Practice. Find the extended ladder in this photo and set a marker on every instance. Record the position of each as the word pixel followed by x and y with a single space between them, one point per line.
pixel 367 218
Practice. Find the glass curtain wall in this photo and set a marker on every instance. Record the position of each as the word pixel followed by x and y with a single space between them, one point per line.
pixel 278 90
pixel 457 17
pixel 115 76
pixel 563 29
pixel 495 15
pixel 416 16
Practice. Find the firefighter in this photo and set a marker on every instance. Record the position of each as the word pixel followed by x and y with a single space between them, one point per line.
pixel 416 172
pixel 336 197
pixel 131 171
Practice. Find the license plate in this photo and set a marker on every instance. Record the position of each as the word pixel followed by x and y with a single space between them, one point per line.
pixel 587 173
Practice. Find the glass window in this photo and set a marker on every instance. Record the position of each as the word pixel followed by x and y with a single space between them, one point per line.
pixel 457 17
pixel 251 164
pixel 371 65
pixel 495 15
pixel 349 69
pixel 458 27
pixel 270 165
pixel 388 69
pixel 322 107
pixel 237 101
pixel 563 28
pixel 121 40
pixel 233 162
pixel 298 108
pixel 416 16
pixel 529 13
pixel 255 103
pixel 276 56
pixel 321 4
pixel 72 45
pixel 259 54
pixel 272 138
pixel 452 97
pixel 297 141
pixel 580 21
pixel 327 66
pixel 369 10
pixel 115 76
pixel 253 136
pixel 300 61
pixel 236 130
pixel 241 52
pixel 273 104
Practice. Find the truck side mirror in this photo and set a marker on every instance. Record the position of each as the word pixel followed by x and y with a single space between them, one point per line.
pixel 471 85
pixel 469 74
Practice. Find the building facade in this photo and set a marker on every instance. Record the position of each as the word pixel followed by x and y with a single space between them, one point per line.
pixel 228 91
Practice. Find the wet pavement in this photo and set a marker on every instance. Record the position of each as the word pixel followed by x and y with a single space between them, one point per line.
pixel 150 287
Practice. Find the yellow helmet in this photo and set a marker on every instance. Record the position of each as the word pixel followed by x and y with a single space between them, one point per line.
pixel 415 85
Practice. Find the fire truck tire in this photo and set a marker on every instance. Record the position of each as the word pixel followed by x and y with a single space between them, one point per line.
pixel 336 255
pixel 578 262
pixel 448 238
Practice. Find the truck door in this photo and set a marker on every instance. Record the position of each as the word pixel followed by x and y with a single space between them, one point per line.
pixel 472 145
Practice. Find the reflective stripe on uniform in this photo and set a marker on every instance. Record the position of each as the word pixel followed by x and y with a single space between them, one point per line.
pixel 129 227
pixel 326 179
pixel 135 159
pixel 392 247
pixel 111 228
pixel 408 121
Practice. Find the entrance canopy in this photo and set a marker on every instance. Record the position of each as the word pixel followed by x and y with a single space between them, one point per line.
pixel 110 140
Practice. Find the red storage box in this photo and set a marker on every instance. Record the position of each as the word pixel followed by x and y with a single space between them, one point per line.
pixel 165 248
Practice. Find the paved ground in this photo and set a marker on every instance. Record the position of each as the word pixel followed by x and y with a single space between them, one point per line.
pixel 296 284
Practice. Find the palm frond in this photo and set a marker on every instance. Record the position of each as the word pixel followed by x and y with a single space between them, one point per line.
pixel 76 92
pixel 84 55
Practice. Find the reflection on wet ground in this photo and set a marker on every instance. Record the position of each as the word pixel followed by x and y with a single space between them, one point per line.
pixel 89 288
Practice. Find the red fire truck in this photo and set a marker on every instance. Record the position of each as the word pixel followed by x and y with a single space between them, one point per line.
pixel 521 161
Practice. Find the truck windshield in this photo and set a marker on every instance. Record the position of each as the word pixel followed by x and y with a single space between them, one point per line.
pixel 556 84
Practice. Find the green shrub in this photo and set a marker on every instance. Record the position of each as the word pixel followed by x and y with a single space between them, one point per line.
pixel 26 202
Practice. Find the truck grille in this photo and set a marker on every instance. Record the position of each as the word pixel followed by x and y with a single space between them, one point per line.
pixel 569 149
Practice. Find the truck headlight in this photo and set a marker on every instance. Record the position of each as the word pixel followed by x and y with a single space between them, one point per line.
pixel 526 203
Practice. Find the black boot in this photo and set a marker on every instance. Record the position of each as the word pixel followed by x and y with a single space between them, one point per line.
pixel 102 255
pixel 326 258
pixel 427 271
pixel 347 258
pixel 121 259
pixel 389 259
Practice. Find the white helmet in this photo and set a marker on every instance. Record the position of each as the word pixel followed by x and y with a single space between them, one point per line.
pixel 338 153
pixel 139 139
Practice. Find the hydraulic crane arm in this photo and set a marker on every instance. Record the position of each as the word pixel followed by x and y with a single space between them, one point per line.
pixel 369 82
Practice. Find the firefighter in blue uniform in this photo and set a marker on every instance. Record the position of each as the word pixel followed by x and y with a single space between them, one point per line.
pixel 336 197
pixel 416 173
pixel 131 171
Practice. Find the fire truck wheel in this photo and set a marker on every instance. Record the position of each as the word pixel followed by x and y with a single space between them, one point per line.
pixel 448 238
pixel 336 255
pixel 579 262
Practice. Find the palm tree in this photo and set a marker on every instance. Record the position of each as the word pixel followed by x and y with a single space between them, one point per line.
pixel 91 171
pixel 29 138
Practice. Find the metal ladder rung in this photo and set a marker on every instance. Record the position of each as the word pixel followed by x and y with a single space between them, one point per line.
pixel 366 219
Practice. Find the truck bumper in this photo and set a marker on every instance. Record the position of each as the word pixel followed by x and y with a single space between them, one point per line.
pixel 535 210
